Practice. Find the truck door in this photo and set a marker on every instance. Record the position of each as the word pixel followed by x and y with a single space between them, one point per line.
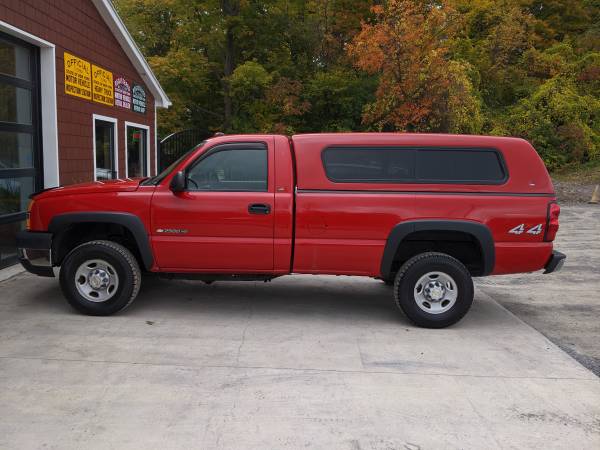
pixel 223 221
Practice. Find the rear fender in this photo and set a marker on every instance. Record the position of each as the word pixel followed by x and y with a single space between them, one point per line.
pixel 479 231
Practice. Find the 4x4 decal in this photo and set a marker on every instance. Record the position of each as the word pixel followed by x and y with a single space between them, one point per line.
pixel 520 229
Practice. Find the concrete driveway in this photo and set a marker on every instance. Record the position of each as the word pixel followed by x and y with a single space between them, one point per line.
pixel 302 362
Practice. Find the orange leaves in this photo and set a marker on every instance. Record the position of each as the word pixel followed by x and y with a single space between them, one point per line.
pixel 286 94
pixel 407 46
pixel 368 48
pixel 377 9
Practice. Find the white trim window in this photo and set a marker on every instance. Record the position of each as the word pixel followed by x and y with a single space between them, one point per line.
pixel 155 143
pixel 137 150
pixel 105 147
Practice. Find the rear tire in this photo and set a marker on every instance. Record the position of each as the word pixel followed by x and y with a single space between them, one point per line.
pixel 434 290
pixel 100 278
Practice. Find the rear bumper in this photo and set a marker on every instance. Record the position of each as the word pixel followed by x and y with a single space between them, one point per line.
pixel 35 252
pixel 556 262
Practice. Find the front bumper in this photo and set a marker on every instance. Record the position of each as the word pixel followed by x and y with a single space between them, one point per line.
pixel 556 262
pixel 35 252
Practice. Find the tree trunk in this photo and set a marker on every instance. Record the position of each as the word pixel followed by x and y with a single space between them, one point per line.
pixel 231 8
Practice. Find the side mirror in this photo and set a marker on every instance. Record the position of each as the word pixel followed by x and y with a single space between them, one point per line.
pixel 178 182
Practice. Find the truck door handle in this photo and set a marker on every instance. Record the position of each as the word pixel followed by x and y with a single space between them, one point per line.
pixel 259 208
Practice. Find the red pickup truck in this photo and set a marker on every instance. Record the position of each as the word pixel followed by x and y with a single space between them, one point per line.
pixel 422 212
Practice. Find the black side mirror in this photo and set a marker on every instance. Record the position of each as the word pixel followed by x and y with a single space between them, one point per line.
pixel 178 182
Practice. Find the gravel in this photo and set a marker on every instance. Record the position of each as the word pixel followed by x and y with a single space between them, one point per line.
pixel 573 192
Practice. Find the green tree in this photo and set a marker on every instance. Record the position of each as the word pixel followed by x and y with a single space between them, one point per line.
pixel 337 98
pixel 249 83
pixel 529 68
pixel 563 124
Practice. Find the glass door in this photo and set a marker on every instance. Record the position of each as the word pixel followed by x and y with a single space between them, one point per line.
pixel 137 151
pixel 20 155
pixel 105 149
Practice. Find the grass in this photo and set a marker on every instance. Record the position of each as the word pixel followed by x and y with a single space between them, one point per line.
pixel 588 173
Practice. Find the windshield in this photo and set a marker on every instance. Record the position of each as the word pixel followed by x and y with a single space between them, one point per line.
pixel 161 176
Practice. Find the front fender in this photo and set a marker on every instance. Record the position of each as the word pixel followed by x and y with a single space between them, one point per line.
pixel 130 221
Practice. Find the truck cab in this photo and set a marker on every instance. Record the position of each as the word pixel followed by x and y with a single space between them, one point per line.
pixel 230 210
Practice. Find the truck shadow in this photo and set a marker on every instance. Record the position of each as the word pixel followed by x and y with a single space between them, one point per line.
pixel 305 297
pixel 326 296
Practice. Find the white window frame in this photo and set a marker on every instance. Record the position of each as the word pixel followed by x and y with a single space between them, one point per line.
pixel 144 127
pixel 49 120
pixel 116 138
pixel 155 141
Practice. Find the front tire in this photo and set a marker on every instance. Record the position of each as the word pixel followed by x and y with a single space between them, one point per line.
pixel 434 290
pixel 100 278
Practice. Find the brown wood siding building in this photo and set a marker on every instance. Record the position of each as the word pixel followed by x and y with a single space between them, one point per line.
pixel 75 26
pixel 50 137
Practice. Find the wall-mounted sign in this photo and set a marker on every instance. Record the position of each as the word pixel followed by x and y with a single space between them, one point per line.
pixel 78 77
pixel 139 99
pixel 102 82
pixel 122 93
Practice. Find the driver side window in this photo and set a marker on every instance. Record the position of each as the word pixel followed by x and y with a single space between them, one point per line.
pixel 231 170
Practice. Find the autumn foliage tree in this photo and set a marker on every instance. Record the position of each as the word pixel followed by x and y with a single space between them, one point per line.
pixel 528 68
pixel 407 45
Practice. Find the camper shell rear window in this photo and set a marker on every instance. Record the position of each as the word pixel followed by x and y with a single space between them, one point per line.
pixel 433 165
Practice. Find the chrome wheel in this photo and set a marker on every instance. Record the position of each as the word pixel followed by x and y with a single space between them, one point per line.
pixel 435 292
pixel 96 280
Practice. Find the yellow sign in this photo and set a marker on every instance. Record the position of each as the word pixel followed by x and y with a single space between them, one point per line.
pixel 78 79
pixel 103 86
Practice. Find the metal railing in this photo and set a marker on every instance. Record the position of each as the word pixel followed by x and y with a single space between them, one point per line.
pixel 176 144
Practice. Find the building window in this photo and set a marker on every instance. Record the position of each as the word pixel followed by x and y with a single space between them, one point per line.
pixel 20 153
pixel 137 150
pixel 105 148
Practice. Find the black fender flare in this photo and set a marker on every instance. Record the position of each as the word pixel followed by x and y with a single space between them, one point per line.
pixel 479 231
pixel 130 221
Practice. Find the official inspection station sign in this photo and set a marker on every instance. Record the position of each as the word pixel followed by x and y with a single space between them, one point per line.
pixel 102 81
pixel 78 77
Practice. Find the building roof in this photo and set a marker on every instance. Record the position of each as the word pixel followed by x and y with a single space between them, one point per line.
pixel 119 30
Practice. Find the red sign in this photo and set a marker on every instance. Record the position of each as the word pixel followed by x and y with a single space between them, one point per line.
pixel 122 93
